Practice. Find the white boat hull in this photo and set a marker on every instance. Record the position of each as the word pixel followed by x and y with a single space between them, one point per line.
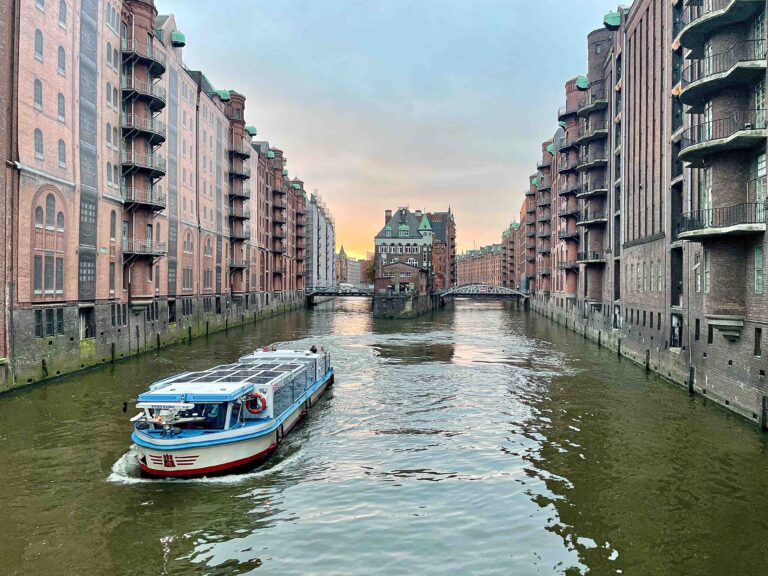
pixel 232 457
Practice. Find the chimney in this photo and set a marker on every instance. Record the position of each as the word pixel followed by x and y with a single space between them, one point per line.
pixel 418 213
pixel 387 216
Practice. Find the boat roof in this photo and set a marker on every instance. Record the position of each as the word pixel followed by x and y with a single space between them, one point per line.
pixel 228 382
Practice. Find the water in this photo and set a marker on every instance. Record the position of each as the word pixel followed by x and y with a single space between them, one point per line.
pixel 479 440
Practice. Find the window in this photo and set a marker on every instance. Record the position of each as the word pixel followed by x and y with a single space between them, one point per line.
pixel 61 107
pixel 710 334
pixel 758 269
pixel 115 61
pixel 48 274
pixel 62 61
pixel 50 211
pixel 60 222
pixel 109 54
pixel 109 134
pixel 112 225
pixel 38 217
pixel 115 141
pixel 62 13
pixel 59 275
pixel 758 342
pixel 109 94
pixel 706 272
pixel 38 144
pixel 115 101
pixel 109 174
pixel 38 275
pixel 658 276
pixel 38 95
pixel 697 330
pixel 697 272
pixel 62 154
pixel 40 4
pixel 39 45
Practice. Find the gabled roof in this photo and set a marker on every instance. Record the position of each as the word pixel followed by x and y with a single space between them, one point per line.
pixel 425 225
pixel 402 220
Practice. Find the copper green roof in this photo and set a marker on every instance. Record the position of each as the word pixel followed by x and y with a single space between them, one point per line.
pixel 223 94
pixel 612 20
pixel 562 123
pixel 270 154
pixel 535 181
pixel 582 83
pixel 425 225
pixel 515 225
pixel 296 187
pixel 285 171
pixel 251 130
pixel 178 40
pixel 403 227
pixel 551 149
pixel 505 234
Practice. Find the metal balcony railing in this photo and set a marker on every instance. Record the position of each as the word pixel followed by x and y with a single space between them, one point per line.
pixel 745 51
pixel 241 171
pixel 152 161
pixel 587 129
pixel 148 247
pixel 567 164
pixel 144 50
pixel 724 216
pixel 241 150
pixel 568 211
pixel 594 96
pixel 145 88
pixel 593 157
pixel 543 271
pixel 590 255
pixel 238 263
pixel 151 125
pixel 567 110
pixel 739 121
pixel 544 200
pixel 567 265
pixel 591 215
pixel 545 162
pixel 144 196
pixel 239 212
pixel 701 8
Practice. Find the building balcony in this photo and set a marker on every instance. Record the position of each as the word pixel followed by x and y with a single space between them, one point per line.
pixel 530 209
pixel 594 130
pixel 592 217
pixel 544 162
pixel 567 111
pixel 142 197
pixel 136 247
pixel 543 248
pixel 591 257
pixel 242 171
pixel 592 188
pixel 566 143
pixel 543 234
pixel 742 63
pixel 146 53
pixel 239 213
pixel 544 200
pixel 278 217
pixel 568 265
pixel 240 151
pixel 154 94
pixel 151 128
pixel 530 258
pixel 567 235
pixel 568 188
pixel 736 220
pixel 704 18
pixel 242 193
pixel 238 235
pixel 279 271
pixel 741 130
pixel 592 161
pixel 278 234
pixel 237 264
pixel 279 191
pixel 530 233
pixel 544 217
pixel 152 163
pixel 568 211
pixel 530 246
pixel 530 192
pixel 544 184
pixel 567 165
pixel 594 101
pixel 543 271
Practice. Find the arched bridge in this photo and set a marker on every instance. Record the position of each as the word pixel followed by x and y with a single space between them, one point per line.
pixel 336 293
pixel 483 291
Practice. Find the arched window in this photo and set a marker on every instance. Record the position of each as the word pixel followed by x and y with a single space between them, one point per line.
pixel 38 94
pixel 115 61
pixel 38 45
pixel 38 144
pixel 62 61
pixel 62 154
pixel 109 134
pixel 39 217
pixel 115 141
pixel 60 222
pixel 109 174
pixel 61 107
pixel 114 98
pixel 109 53
pixel 109 94
pixel 112 224
pixel 50 211
pixel 62 13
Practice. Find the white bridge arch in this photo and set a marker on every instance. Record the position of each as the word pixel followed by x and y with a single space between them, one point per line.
pixel 482 291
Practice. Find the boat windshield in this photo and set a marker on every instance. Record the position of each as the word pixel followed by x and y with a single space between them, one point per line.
pixel 202 417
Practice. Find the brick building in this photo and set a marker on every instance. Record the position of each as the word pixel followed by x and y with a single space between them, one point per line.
pixel 444 248
pixel 141 210
pixel 657 246
pixel 482 266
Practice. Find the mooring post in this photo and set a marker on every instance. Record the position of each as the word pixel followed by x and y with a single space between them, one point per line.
pixel 692 389
pixel 647 360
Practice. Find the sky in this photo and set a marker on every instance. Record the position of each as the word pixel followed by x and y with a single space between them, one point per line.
pixel 385 103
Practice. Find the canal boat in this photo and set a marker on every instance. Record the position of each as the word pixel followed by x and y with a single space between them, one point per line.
pixel 229 418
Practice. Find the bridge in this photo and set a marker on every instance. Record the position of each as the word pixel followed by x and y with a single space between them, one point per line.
pixel 483 291
pixel 336 293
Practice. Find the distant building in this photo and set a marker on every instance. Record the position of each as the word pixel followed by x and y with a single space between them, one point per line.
pixel 321 230
pixel 508 256
pixel 444 248
pixel 483 266
pixel 341 266
pixel 406 237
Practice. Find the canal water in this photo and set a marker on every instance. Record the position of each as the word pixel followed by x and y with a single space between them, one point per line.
pixel 479 440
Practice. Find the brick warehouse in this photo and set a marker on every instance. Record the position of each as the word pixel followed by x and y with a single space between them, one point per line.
pixel 140 210
pixel 648 206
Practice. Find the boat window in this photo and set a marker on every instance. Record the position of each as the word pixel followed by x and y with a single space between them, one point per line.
pixel 235 418
pixel 204 417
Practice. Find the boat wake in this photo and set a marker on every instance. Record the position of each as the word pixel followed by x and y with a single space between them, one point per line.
pixel 126 471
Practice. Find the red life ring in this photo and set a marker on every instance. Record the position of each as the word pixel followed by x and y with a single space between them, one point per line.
pixel 256 403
